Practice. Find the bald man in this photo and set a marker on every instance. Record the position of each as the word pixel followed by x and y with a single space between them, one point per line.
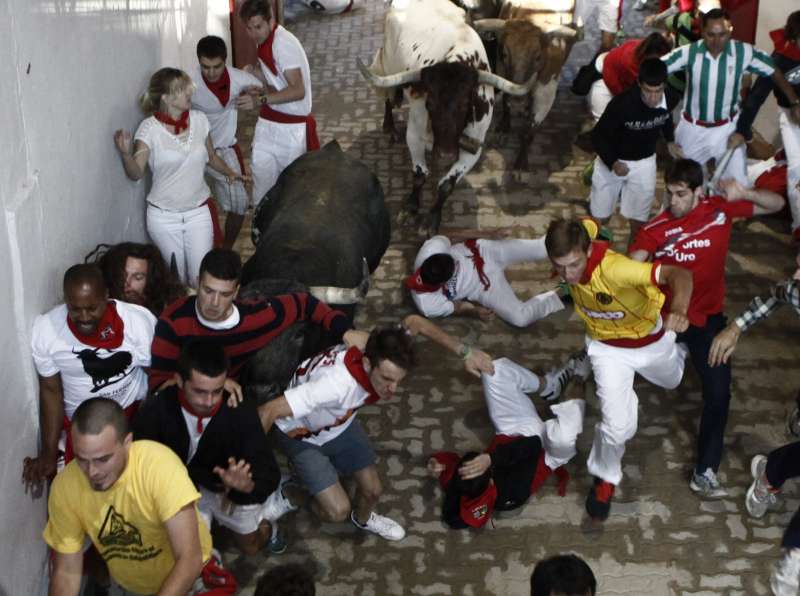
pixel 89 346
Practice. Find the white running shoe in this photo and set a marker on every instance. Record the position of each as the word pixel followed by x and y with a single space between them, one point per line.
pixel 785 579
pixel 557 379
pixel 380 525
pixel 707 485
pixel 277 505
pixel 760 498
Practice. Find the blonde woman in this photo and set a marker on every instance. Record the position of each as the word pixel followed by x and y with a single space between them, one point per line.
pixel 174 141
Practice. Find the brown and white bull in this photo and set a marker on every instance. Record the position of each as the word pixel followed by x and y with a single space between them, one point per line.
pixel 534 40
pixel 439 61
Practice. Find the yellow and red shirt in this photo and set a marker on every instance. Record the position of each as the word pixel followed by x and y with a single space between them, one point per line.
pixel 618 298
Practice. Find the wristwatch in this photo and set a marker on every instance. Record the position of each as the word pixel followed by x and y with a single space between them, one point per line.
pixel 262 99
pixel 464 351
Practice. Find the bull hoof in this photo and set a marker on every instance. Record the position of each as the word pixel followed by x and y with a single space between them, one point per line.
pixel 407 217
pixel 429 226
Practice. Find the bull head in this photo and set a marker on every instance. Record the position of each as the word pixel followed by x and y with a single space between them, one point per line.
pixel 450 90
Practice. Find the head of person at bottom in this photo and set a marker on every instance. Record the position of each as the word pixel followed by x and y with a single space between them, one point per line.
pixel 286 580
pixel 136 273
pixel 202 371
pixel 101 441
pixel 652 79
pixel 218 284
pixel 563 575
pixel 684 182
pixel 388 356
pixel 569 247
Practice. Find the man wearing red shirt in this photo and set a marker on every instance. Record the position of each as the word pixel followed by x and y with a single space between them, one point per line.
pixel 694 232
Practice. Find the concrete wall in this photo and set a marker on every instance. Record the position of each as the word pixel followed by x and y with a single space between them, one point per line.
pixel 771 15
pixel 71 72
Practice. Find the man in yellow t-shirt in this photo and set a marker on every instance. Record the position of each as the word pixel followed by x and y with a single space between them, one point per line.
pixel 620 303
pixel 136 503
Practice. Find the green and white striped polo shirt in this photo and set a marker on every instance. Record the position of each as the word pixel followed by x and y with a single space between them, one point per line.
pixel 713 85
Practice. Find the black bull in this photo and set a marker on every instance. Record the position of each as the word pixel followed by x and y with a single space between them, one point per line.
pixel 324 218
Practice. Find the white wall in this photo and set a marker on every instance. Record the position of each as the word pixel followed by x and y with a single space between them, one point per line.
pixel 771 15
pixel 71 72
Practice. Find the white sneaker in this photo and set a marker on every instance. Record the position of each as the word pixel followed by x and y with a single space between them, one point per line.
pixel 759 497
pixel 277 505
pixel 380 525
pixel 640 5
pixel 785 578
pixel 557 379
pixel 707 485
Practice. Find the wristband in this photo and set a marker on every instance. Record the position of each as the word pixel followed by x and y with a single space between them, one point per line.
pixel 465 351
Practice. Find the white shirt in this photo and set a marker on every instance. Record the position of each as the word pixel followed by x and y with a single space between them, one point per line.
pixel 177 162
pixel 288 54
pixel 95 372
pixel 222 119
pixel 194 434
pixel 322 394
pixel 463 285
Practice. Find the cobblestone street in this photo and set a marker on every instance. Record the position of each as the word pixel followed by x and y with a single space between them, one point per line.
pixel 660 539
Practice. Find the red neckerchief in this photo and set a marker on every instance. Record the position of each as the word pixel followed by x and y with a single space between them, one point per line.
pixel 599 249
pixel 109 332
pixel 180 124
pixel 477 260
pixel 354 362
pixel 414 282
pixel 265 52
pixel 784 47
pixel 188 407
pixel 476 511
pixel 221 87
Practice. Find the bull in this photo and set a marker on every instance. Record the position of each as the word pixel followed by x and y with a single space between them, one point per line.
pixel 440 63
pixel 323 228
pixel 534 40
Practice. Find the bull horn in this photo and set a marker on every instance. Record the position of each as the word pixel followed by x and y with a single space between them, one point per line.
pixel 395 80
pixel 564 31
pixel 489 25
pixel 489 78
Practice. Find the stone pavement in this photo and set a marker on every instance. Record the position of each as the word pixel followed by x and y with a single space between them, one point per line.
pixel 660 538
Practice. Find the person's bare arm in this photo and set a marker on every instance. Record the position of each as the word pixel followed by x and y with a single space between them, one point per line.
pixel 66 577
pixel 218 164
pixel 295 89
pixel 51 416
pixel 272 410
pixel 679 281
pixel 764 201
pixel 184 539
pixel 475 361
pixel 133 163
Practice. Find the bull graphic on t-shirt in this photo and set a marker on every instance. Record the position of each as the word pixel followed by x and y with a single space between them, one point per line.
pixel 104 371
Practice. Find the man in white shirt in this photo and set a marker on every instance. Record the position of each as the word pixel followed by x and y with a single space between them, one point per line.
pixel 316 424
pixel 217 92
pixel 287 130
pixel 88 347
pixel 448 278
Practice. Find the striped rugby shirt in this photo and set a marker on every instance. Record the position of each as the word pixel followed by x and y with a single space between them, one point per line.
pixel 713 85
pixel 259 323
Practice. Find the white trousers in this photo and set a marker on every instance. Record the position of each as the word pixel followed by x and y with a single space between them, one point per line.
pixel 607 13
pixel 242 519
pixel 500 297
pixel 636 190
pixel 328 6
pixel 701 144
pixel 513 413
pixel 275 146
pixel 614 368
pixel 188 235
pixel 599 93
pixel 790 133
pixel 231 197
